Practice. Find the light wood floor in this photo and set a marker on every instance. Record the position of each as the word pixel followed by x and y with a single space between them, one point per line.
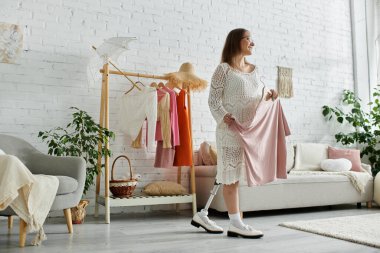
pixel 172 232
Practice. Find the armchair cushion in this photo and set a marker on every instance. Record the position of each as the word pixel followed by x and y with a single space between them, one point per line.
pixel 66 185
pixel 38 163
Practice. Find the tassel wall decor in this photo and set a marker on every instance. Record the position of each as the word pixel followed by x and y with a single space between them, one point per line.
pixel 285 83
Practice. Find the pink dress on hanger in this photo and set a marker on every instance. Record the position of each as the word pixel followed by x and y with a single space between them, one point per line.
pixel 264 145
pixel 173 116
pixel 165 156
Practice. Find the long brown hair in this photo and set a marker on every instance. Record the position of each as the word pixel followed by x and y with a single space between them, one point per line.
pixel 232 45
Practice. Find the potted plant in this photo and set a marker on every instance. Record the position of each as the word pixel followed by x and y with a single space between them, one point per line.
pixel 365 125
pixel 80 138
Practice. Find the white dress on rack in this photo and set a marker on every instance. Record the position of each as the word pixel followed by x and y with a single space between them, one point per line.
pixel 237 93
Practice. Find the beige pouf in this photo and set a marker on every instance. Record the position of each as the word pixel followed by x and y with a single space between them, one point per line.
pixel 376 192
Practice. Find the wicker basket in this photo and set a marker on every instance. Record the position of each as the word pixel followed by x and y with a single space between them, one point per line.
pixel 122 188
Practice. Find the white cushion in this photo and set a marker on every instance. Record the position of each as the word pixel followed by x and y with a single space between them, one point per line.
pixel 289 157
pixel 2 152
pixel 310 155
pixel 336 165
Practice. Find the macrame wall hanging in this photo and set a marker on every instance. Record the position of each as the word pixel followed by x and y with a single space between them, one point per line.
pixel 285 82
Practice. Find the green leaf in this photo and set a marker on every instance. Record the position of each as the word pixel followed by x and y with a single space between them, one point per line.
pixel 326 111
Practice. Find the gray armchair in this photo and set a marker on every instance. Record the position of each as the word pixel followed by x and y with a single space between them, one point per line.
pixel 70 171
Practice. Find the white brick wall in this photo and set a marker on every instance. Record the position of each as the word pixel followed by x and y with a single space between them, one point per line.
pixel 312 37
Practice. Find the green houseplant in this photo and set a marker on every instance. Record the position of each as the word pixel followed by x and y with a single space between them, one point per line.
pixel 365 125
pixel 80 138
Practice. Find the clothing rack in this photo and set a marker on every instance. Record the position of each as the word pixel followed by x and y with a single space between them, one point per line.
pixel 108 201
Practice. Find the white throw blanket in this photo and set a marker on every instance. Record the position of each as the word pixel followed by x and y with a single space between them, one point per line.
pixel 30 196
pixel 358 179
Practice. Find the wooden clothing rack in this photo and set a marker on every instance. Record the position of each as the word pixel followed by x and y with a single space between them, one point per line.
pixel 109 201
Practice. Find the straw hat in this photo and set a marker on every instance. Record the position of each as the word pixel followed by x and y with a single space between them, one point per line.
pixel 186 77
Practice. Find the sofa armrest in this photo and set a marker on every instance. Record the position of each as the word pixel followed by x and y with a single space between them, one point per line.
pixel 367 168
pixel 75 167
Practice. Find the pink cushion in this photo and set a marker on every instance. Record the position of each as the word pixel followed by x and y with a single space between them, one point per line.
pixel 351 154
pixel 208 158
pixel 204 152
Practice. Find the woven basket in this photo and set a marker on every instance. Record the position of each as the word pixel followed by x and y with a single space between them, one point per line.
pixel 122 188
pixel 79 212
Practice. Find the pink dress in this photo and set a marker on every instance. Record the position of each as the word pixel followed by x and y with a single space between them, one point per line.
pixel 165 156
pixel 173 116
pixel 264 145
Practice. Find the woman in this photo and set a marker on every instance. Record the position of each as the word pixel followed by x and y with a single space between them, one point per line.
pixel 235 93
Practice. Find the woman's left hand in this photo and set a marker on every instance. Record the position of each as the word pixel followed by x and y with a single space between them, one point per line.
pixel 271 94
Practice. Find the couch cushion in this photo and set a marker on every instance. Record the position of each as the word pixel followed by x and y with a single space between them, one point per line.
pixel 213 154
pixel 351 154
pixel 336 165
pixel 66 185
pixel 162 188
pixel 307 179
pixel 205 153
pixel 210 171
pixel 309 156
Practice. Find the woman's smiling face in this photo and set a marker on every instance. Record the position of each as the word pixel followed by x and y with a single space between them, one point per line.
pixel 246 44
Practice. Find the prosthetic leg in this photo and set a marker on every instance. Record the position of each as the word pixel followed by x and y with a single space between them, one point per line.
pixel 200 219
pixel 213 193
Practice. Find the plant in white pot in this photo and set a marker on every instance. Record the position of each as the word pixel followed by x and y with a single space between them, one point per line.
pixel 80 138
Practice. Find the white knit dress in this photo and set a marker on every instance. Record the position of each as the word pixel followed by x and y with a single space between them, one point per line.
pixel 237 93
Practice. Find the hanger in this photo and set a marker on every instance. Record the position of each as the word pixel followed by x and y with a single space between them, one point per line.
pixel 154 84
pixel 161 85
pixel 138 80
pixel 173 87
pixel 264 86
pixel 261 77
pixel 135 84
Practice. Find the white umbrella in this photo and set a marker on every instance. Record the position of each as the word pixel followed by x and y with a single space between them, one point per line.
pixel 110 50
pixel 113 47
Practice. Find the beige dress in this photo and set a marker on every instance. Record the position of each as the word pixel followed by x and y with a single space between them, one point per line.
pixel 237 93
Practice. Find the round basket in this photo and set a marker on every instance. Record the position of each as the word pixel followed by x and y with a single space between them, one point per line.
pixel 122 188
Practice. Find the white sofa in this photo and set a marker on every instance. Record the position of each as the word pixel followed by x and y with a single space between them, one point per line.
pixel 294 192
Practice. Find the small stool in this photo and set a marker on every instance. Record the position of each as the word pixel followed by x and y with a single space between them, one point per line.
pixel 376 191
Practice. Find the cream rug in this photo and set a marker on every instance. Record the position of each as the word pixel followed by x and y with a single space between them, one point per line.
pixel 363 229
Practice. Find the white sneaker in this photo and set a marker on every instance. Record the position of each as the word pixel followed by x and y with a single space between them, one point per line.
pixel 204 222
pixel 247 232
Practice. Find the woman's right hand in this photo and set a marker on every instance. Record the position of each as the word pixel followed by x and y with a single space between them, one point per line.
pixel 228 119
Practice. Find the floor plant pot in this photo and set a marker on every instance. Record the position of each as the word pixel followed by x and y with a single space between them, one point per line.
pixel 79 212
